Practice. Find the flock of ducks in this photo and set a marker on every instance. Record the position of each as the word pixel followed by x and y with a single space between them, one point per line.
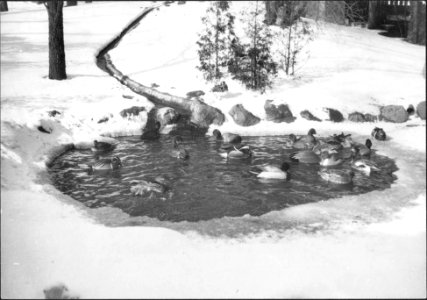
pixel 331 152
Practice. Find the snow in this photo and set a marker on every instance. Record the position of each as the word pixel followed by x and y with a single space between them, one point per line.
pixel 367 246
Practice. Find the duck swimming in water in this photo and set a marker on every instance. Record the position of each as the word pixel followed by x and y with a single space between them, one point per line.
pixel 365 150
pixel 102 146
pixel 227 137
pixel 329 159
pixel 148 187
pixel 178 150
pixel 273 172
pixel 238 153
pixel 363 165
pixel 337 176
pixel 113 163
pixel 305 156
pixel 306 141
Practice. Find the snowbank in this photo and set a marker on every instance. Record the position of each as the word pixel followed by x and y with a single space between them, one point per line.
pixel 371 245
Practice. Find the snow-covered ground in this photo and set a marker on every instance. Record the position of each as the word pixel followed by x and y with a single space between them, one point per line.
pixel 371 245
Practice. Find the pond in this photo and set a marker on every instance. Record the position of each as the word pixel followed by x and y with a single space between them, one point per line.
pixel 206 186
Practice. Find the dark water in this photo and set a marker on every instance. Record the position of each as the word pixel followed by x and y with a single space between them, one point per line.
pixel 206 186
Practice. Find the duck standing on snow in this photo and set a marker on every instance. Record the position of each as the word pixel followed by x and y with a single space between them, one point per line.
pixel 113 163
pixel 379 134
pixel 273 172
pixel 337 176
pixel 102 146
pixel 236 152
pixel 227 137
pixel 305 156
pixel 178 150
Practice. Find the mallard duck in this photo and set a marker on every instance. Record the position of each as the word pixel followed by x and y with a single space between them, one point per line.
pixel 178 150
pixel 363 165
pixel 365 150
pixel 113 163
pixel 234 152
pixel 337 176
pixel 102 146
pixel 305 156
pixel 151 133
pixel 289 141
pixel 327 159
pixel 306 141
pixel 273 172
pixel 323 146
pixel 309 137
pixel 379 134
pixel 227 137
pixel 144 187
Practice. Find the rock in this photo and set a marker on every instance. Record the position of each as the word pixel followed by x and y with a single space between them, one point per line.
pixel 243 117
pixel 132 111
pixel 58 291
pixel 393 113
pixel 195 94
pixel 278 114
pixel 127 96
pixel 421 110
pixel 222 87
pixel 181 2
pixel 44 130
pixel 167 115
pixel 356 117
pixel 410 110
pixel 204 115
pixel 370 118
pixel 154 85
pixel 335 115
pixel 53 113
pixel 307 115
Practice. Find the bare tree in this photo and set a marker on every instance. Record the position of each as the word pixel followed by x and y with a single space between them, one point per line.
pixel 56 40
pixel 3 6
pixel 417 23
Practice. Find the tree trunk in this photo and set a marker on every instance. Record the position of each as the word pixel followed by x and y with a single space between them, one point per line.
pixel 416 32
pixel 373 19
pixel 3 6
pixel 56 40
pixel 71 3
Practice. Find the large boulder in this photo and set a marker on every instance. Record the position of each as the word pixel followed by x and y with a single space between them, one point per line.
pixel 356 117
pixel 421 109
pixel 167 115
pixel 393 113
pixel 278 114
pixel 370 118
pixel 132 111
pixel 195 94
pixel 204 115
pixel 334 115
pixel 309 116
pixel 243 117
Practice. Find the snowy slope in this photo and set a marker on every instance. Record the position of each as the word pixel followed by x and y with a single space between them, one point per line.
pixel 371 245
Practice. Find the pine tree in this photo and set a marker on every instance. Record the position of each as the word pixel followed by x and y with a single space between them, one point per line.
pixel 255 66
pixel 216 40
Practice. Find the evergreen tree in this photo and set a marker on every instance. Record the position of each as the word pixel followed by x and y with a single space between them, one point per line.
pixel 253 64
pixel 216 40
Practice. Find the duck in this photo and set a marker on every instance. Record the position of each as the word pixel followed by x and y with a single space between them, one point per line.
pixel 365 150
pixel 113 163
pixel 305 156
pixel 379 134
pixel 178 150
pixel 307 141
pixel 227 137
pixel 234 152
pixel 289 141
pixel 363 165
pixel 273 172
pixel 328 147
pixel 328 159
pixel 102 146
pixel 337 176
pixel 153 133
pixel 144 187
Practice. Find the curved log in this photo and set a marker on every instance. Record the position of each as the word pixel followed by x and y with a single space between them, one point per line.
pixel 200 113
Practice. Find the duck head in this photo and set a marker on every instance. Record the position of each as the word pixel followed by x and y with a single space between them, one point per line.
pixel 292 137
pixel 285 166
pixel 217 134
pixel 116 162
pixel 312 131
pixel 368 143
